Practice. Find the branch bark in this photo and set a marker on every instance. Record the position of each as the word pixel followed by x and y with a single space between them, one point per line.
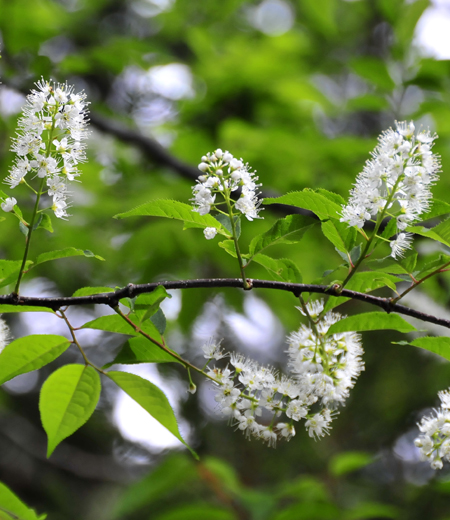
pixel 132 290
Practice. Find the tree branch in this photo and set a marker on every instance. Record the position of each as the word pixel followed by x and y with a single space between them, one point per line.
pixel 132 290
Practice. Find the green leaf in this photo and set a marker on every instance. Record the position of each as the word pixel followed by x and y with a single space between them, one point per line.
pixel 437 345
pixel 441 232
pixel 283 268
pixel 371 510
pixel 159 321
pixel 68 398
pixel 339 234
pixel 288 230
pixel 438 209
pixel 323 207
pixel 335 197
pixel 23 308
pixel 196 511
pixel 141 350
pixel 64 253
pixel 226 223
pixel 89 291
pixel 432 265
pixel 371 321
pixel 9 271
pixel 373 70
pixel 364 282
pixel 390 229
pixel 30 353
pixel 349 461
pixel 10 503
pixel 229 247
pixel 45 223
pixel 176 210
pixel 23 228
pixel 115 323
pixel 151 398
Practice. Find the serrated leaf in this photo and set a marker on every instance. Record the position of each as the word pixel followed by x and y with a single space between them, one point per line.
pixel 438 345
pixel 288 230
pixel 229 247
pixel 115 323
pixel 37 223
pixel 433 265
pixel 334 197
pixel 159 321
pixel 355 253
pixel 349 461
pixel 372 321
pixel 141 350
pixel 23 308
pixel 176 210
pixel 23 228
pixel 226 223
pixel 441 232
pixel 68 398
pixel 64 253
pixel 339 234
pixel 9 271
pixel 46 223
pixel 12 504
pixel 282 268
pixel 390 229
pixel 151 398
pixel 30 353
pixel 89 291
pixel 364 282
pixel 438 209
pixel 323 207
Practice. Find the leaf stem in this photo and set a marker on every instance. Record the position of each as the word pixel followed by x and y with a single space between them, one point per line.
pixel 186 364
pixel 80 348
pixel 236 242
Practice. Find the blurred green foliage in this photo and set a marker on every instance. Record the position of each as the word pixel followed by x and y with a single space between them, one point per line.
pixel 304 108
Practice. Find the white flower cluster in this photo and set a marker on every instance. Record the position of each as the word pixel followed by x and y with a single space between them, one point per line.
pixel 395 181
pixel 222 173
pixel 5 336
pixel 325 366
pixel 49 141
pixel 434 443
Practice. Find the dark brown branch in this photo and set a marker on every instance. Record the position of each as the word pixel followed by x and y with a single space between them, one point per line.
pixel 132 290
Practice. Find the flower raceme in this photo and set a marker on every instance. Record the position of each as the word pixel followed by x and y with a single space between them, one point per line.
pixel 222 174
pixel 324 368
pixel 434 443
pixel 395 182
pixel 49 142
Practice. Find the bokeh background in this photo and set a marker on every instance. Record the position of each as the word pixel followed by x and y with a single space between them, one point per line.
pixel 300 89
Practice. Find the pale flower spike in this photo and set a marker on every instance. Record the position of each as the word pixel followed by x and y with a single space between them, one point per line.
pixel 49 142
pixel 434 442
pixel 395 181
pixel 223 174
pixel 324 366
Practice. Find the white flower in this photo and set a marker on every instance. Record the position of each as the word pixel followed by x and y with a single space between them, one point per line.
pixel 51 129
pixel 402 242
pixel 221 174
pixel 9 204
pixel 210 233
pixel 5 335
pixel 211 350
pixel 396 181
